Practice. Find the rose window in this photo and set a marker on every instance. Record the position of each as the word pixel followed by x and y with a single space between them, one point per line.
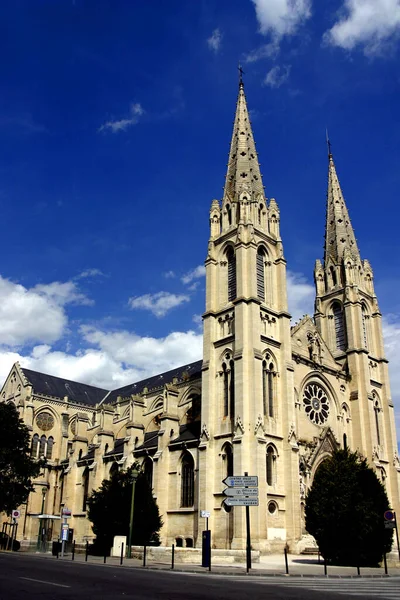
pixel 45 421
pixel 316 403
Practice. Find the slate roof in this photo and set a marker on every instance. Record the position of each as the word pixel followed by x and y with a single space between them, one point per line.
pixel 188 434
pixel 56 386
pixel 156 381
pixel 118 448
pixel 150 442
pixel 90 395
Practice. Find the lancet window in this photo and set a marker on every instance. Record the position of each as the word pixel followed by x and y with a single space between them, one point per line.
pixel 187 481
pixel 268 389
pixel 339 325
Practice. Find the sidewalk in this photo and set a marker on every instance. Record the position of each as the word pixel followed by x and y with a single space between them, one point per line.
pixel 272 565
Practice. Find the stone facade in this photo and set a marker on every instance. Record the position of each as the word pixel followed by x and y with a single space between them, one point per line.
pixel 267 398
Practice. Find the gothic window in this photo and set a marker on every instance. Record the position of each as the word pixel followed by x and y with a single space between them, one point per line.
pixel 230 255
pixel 338 319
pixel 227 450
pixel 268 389
pixel 226 389
pixel 232 390
pixel 316 403
pixel 270 465
pixel 333 276
pixel 377 424
pixel 42 451
pixel 35 445
pixel 114 469
pixel 344 441
pixel 229 214
pixel 187 481
pixel 49 449
pixel 261 274
pixel 260 209
pixel 148 470
pixel 85 485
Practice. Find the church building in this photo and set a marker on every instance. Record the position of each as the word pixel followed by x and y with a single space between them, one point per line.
pixel 268 398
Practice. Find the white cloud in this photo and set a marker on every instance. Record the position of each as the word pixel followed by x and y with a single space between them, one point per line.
pixel 214 41
pixel 36 314
pixel 270 50
pixel 277 76
pixel 195 273
pixel 169 275
pixel 391 335
pixel 90 273
pixel 159 304
pixel 281 17
pixel 369 23
pixel 300 296
pixel 115 358
pixel 136 111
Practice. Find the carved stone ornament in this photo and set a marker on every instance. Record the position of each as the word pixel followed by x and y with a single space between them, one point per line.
pixel 204 432
pixel 239 425
pixel 259 423
pixel 45 421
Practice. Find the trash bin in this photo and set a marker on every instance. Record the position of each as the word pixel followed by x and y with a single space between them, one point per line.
pixel 56 548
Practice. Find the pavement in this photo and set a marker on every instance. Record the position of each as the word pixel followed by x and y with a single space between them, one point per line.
pixel 269 565
pixel 43 577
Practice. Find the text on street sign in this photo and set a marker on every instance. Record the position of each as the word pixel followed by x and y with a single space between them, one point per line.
pixel 241 491
pixel 241 481
pixel 241 501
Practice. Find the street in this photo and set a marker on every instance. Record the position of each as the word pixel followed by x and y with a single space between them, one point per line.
pixel 37 577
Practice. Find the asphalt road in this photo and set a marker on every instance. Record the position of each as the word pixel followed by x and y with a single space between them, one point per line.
pixel 34 577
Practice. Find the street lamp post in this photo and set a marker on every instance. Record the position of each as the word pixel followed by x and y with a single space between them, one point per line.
pixel 135 474
pixel 40 533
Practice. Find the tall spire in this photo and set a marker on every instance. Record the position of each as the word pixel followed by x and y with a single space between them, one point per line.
pixel 339 234
pixel 243 173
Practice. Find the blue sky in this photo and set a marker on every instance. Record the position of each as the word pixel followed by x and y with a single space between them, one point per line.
pixel 115 124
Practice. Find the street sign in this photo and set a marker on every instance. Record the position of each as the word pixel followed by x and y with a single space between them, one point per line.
pixel 16 514
pixel 390 525
pixel 205 514
pixel 241 501
pixel 66 512
pixel 242 491
pixel 64 532
pixel 241 481
pixel 389 515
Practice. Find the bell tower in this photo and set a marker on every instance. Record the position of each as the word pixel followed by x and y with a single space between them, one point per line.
pixel 247 381
pixel 347 316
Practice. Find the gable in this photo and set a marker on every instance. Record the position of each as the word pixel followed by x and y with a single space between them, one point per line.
pixel 308 343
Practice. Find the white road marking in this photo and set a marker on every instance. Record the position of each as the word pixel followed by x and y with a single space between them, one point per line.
pixel 46 582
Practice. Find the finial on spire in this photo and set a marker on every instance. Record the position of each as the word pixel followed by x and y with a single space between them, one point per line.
pixel 241 73
pixel 328 143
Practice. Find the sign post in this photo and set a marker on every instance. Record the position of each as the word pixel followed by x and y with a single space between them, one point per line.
pixel 66 513
pixel 206 542
pixel 243 491
pixel 391 523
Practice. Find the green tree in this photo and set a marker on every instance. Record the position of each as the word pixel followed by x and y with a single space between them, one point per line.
pixel 109 511
pixel 344 511
pixel 17 468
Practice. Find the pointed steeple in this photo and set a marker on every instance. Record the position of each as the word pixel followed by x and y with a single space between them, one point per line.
pixel 339 235
pixel 243 173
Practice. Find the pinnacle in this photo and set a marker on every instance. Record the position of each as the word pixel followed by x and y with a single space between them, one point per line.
pixel 243 172
pixel 339 233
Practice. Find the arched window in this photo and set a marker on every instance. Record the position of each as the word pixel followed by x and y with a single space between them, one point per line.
pixel 42 451
pixel 49 449
pixel 377 425
pixel 340 332
pixel 179 542
pixel 333 276
pixel 260 209
pixel 271 457
pixel 187 481
pixel 148 470
pixel 364 326
pixel 229 214
pixel 268 389
pixel 35 446
pixel 232 390
pixel 226 389
pixel 344 441
pixel 85 486
pixel 227 449
pixel 231 258
pixel 114 469
pixel 261 274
